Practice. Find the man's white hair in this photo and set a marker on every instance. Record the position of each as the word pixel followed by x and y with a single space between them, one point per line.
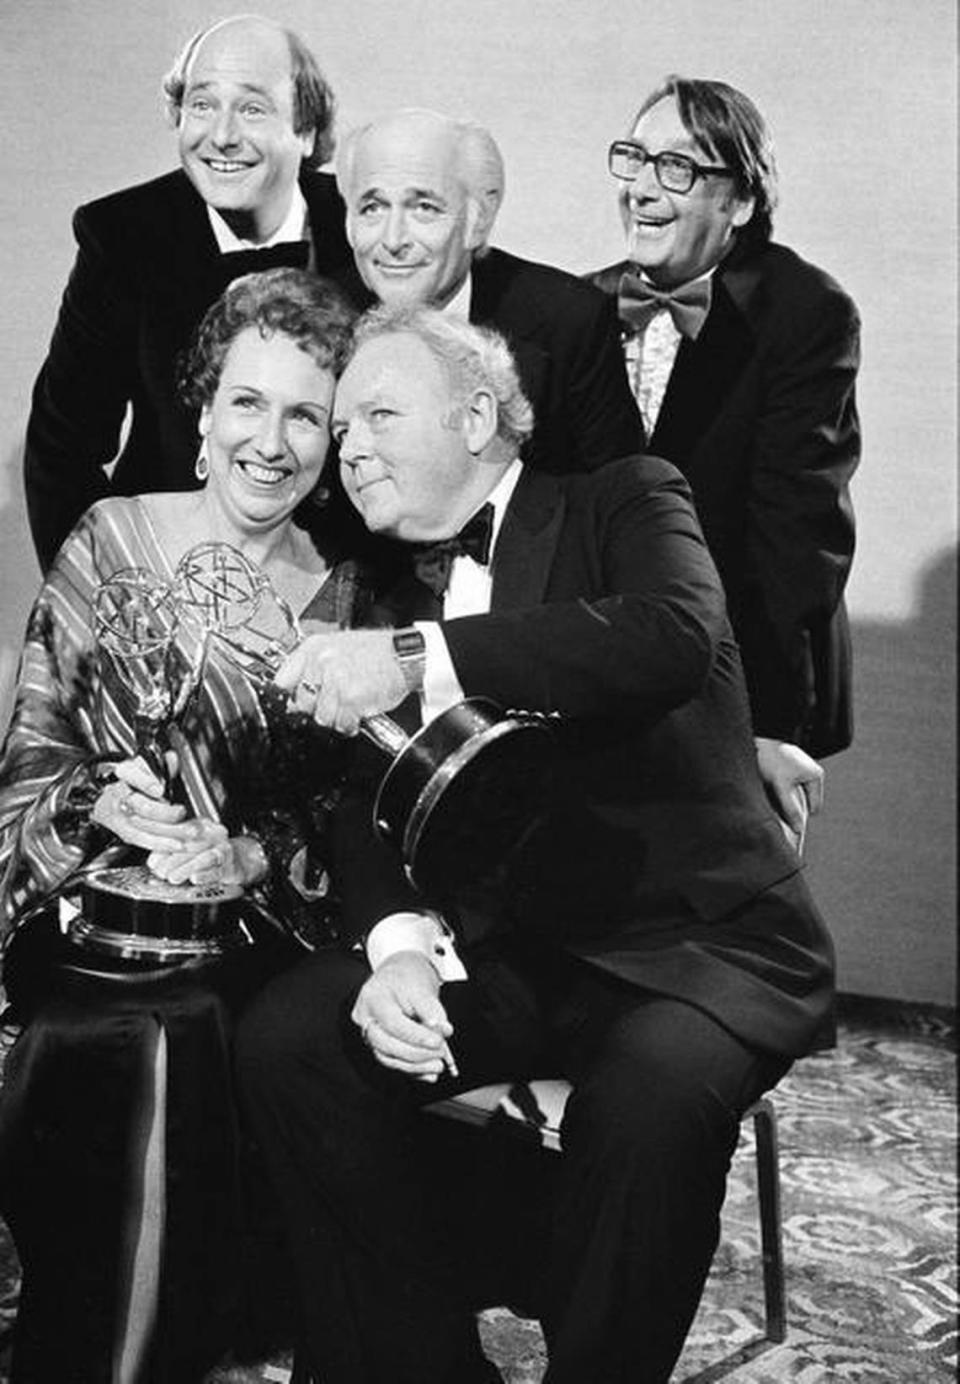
pixel 479 161
pixel 472 358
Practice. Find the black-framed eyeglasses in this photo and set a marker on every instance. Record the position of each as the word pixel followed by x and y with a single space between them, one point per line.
pixel 674 172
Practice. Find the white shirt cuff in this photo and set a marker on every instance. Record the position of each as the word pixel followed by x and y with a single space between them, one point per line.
pixel 441 686
pixel 426 933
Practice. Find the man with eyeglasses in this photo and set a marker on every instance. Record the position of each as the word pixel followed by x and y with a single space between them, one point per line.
pixel 743 359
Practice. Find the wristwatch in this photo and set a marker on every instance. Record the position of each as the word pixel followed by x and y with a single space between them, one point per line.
pixel 410 650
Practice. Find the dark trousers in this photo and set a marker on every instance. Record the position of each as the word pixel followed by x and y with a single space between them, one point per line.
pixel 648 1134
pixel 74 1117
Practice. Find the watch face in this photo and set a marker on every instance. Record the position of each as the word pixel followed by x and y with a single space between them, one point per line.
pixel 409 644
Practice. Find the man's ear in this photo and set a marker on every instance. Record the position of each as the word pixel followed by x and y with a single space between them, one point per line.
pixel 478 421
pixel 481 213
pixel 743 211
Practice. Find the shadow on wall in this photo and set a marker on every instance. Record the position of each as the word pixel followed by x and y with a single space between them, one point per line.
pixel 884 866
pixel 19 576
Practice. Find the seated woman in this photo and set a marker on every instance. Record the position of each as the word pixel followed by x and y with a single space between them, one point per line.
pixel 118 1146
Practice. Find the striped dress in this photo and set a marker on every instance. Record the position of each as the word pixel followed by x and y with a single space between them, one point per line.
pixel 271 774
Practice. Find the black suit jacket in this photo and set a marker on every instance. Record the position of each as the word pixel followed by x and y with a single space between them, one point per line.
pixel 567 347
pixel 146 270
pixel 565 340
pixel 760 416
pixel 661 857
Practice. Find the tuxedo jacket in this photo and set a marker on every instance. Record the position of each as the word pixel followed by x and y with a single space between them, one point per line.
pixel 661 857
pixel 147 268
pixel 760 416
pixel 567 347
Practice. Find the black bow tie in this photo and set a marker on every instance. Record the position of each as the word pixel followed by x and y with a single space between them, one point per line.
pixel 688 305
pixel 288 254
pixel 432 561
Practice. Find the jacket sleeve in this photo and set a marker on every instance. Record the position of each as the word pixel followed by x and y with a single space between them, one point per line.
pixel 800 529
pixel 81 394
pixel 633 630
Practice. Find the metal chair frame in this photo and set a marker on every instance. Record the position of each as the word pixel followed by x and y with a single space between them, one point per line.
pixel 537 1106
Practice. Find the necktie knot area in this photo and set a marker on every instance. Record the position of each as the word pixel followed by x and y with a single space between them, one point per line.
pixel 638 302
pixel 433 561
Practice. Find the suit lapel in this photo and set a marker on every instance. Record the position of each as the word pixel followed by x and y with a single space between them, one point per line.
pixel 527 541
pixel 703 377
pixel 493 303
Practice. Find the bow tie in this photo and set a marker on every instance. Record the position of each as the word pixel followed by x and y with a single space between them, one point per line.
pixel 289 254
pixel 688 305
pixel 432 561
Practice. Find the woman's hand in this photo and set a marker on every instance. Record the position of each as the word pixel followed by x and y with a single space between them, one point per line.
pixel 134 808
pixel 210 856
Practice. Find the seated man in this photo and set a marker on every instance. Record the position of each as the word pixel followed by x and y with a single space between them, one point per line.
pixel 655 944
pixel 743 358
pixel 422 193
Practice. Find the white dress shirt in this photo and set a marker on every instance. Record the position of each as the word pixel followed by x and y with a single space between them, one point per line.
pixel 294 226
pixel 468 593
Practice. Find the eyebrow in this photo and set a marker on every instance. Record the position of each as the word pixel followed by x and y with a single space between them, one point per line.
pixel 249 88
pixel 262 394
pixel 431 192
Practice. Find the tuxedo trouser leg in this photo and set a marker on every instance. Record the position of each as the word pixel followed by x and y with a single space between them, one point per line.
pixel 381 1301
pixel 648 1134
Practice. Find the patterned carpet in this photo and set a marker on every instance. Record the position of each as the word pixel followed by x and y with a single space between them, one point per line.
pixel 868 1167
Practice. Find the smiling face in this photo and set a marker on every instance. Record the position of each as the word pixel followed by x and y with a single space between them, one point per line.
pixel 675 237
pixel 410 220
pixel 266 430
pixel 237 142
pixel 405 452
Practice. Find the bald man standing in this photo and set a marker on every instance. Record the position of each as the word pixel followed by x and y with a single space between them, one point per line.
pixel 422 193
pixel 254 121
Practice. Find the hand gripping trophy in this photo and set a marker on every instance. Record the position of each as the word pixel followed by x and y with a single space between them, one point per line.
pixel 151 663
pixel 456 798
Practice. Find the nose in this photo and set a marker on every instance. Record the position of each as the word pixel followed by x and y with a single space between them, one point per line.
pixel 355 442
pixel 645 187
pixel 224 132
pixel 271 441
pixel 395 235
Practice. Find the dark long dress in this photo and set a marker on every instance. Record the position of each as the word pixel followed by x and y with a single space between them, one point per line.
pixel 78 1093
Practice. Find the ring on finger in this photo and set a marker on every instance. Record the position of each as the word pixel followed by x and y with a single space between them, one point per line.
pixel 310 689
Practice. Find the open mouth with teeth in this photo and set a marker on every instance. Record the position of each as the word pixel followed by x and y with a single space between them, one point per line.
pixel 227 166
pixel 270 477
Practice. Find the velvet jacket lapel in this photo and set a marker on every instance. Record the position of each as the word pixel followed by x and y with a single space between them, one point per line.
pixel 497 300
pixel 527 542
pixel 704 375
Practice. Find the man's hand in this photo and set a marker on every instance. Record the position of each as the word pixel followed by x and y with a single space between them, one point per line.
pixel 340 678
pixel 794 784
pixel 403 1023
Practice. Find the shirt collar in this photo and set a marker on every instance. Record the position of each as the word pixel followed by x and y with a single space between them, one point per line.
pixel 701 278
pixel 459 304
pixel 293 227
pixel 500 497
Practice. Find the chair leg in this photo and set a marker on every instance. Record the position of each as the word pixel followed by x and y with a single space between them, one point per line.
pixel 771 1225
